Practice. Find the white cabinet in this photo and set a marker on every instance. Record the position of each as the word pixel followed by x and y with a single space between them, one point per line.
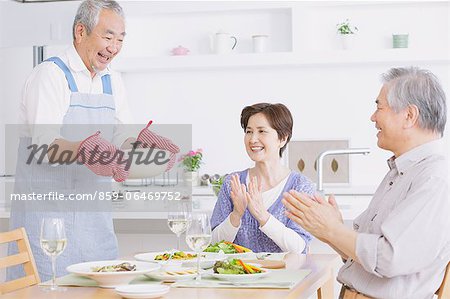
pixel 145 231
pixel 278 60
pixel 16 64
pixel 300 35
pixel 203 199
pixel 195 28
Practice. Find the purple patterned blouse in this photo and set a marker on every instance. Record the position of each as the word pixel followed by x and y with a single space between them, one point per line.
pixel 249 234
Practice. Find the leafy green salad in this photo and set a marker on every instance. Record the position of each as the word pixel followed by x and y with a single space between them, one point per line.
pixel 226 247
pixel 235 266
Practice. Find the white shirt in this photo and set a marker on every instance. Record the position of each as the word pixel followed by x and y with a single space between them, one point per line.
pixel 403 242
pixel 287 239
pixel 46 96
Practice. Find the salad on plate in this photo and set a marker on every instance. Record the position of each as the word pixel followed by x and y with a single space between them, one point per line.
pixel 177 255
pixel 227 248
pixel 235 266
pixel 235 270
pixel 171 258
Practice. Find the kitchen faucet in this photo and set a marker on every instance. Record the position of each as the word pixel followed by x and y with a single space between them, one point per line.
pixel 347 151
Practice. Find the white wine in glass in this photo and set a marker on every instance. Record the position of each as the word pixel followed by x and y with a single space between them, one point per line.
pixel 178 218
pixel 198 236
pixel 53 242
pixel 177 225
pixel 53 247
pixel 198 243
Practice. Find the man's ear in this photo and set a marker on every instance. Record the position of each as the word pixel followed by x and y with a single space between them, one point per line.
pixel 80 32
pixel 411 116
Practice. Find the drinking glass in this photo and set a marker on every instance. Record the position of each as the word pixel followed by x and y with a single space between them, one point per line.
pixel 198 237
pixel 179 217
pixel 53 242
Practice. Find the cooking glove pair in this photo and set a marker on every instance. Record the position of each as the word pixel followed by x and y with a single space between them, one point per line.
pixel 105 159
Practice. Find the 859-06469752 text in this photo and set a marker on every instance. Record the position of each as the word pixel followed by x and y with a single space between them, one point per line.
pixel 97 195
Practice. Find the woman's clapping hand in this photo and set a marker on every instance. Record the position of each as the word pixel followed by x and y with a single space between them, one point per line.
pixel 239 199
pixel 255 201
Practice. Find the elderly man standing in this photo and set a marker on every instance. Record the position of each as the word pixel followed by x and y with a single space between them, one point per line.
pixel 74 89
pixel 400 244
pixel 78 94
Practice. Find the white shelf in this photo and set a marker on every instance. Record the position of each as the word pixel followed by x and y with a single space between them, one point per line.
pixel 285 59
pixel 202 191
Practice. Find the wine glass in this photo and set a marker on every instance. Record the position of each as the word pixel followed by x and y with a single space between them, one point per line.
pixel 53 242
pixel 198 237
pixel 178 218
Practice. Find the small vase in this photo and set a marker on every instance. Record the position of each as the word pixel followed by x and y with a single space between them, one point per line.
pixel 400 41
pixel 191 178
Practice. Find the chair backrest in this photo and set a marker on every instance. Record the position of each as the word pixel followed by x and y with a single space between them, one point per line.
pixel 24 257
pixel 444 290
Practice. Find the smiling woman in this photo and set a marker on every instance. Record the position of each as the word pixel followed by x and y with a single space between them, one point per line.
pixel 249 211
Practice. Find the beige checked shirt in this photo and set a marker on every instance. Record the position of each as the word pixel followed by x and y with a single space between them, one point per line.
pixel 403 243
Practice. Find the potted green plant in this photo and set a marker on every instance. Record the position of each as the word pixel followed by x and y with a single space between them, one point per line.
pixel 191 163
pixel 346 31
pixel 217 184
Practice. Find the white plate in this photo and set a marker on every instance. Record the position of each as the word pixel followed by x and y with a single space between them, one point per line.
pixel 150 257
pixel 275 256
pixel 141 291
pixel 143 169
pixel 241 277
pixel 111 279
pixel 205 261
pixel 172 274
pixel 219 255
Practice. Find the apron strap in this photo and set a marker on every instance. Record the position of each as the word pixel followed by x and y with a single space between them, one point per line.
pixel 70 80
pixel 106 81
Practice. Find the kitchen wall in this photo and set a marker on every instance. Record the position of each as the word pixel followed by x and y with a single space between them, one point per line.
pixel 328 100
pixel 330 92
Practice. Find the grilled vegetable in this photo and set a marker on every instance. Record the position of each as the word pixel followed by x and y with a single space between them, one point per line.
pixel 238 248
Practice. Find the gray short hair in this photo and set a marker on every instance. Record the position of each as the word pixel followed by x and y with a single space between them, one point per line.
pixel 89 10
pixel 414 86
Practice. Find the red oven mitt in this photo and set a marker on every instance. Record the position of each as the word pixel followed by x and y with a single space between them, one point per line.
pixel 147 138
pixel 102 158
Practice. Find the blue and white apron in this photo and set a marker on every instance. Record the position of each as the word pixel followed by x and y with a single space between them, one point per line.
pixel 90 235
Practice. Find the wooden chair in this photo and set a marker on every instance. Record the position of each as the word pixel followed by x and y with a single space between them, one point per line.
pixel 444 290
pixel 24 257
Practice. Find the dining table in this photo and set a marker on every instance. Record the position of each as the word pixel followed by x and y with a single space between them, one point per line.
pixel 320 281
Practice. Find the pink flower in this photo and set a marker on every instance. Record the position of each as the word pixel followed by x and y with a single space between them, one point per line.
pixel 192 153
pixel 199 150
